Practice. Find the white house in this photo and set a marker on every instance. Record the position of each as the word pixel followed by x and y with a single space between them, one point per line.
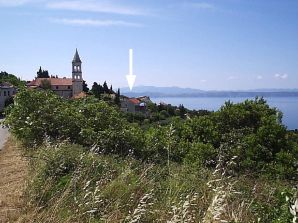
pixel 132 105
pixel 6 91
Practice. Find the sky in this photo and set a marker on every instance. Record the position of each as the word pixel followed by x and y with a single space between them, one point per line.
pixel 208 45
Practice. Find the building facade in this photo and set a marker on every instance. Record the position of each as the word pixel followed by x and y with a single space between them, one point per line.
pixel 132 105
pixel 64 87
pixel 6 92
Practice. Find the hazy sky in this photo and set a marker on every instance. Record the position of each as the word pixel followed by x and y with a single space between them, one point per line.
pixel 223 44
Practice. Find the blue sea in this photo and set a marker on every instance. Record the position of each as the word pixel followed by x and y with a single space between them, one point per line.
pixel 288 105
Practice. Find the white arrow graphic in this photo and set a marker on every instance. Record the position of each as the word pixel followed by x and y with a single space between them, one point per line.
pixel 130 77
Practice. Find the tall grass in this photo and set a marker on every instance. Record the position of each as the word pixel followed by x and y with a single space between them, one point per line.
pixel 72 184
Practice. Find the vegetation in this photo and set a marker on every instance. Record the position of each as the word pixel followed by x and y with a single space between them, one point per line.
pixel 74 185
pixel 42 73
pixel 97 90
pixel 46 84
pixel 105 93
pixel 238 164
pixel 162 114
pixel 85 87
pixel 12 79
pixel 117 98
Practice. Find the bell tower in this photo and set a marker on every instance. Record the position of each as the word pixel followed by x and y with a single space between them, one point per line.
pixel 77 79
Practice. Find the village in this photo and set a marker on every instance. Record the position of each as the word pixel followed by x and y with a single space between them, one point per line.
pixel 72 88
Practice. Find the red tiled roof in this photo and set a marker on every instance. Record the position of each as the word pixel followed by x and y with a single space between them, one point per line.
pixel 53 81
pixel 134 101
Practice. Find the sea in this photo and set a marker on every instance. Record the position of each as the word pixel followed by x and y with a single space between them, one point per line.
pixel 287 105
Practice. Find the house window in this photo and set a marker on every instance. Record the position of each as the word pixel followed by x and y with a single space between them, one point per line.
pixel 8 93
pixel 4 93
pixel 68 87
pixel 57 87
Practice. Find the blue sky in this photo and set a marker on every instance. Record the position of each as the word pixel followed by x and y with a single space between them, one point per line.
pixel 210 45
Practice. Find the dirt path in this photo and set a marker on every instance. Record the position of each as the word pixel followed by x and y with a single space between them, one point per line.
pixel 13 173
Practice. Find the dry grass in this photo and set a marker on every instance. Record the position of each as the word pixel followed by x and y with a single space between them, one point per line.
pixel 105 188
pixel 13 175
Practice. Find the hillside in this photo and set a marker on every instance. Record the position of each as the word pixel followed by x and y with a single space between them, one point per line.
pixel 190 92
pixel 89 164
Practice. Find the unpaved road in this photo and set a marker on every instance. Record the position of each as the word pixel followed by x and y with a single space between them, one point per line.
pixel 13 176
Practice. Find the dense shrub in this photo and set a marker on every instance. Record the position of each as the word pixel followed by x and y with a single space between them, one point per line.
pixel 12 79
pixel 234 165
pixel 250 133
pixel 247 114
pixel 39 115
pixel 201 154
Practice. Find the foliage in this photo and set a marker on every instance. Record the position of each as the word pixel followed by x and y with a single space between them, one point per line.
pixel 201 154
pixel 38 115
pixel 9 101
pixel 97 90
pixel 12 79
pixel 42 73
pixel 90 164
pixel 117 97
pixel 250 131
pixel 46 84
pixel 71 184
pixel 85 87
pixel 182 111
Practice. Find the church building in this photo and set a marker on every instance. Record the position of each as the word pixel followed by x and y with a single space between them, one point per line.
pixel 64 87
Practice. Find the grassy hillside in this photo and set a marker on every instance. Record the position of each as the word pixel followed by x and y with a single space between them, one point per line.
pixel 89 164
pixel 71 184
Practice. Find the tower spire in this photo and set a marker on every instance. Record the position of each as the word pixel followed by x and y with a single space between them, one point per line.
pixel 76 58
pixel 77 79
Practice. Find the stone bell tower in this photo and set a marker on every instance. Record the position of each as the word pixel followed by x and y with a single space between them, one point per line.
pixel 77 79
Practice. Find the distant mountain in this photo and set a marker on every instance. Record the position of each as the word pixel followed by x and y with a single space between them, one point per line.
pixel 273 90
pixel 153 91
pixel 161 90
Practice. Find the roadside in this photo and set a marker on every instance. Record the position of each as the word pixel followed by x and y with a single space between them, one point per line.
pixel 3 135
pixel 13 173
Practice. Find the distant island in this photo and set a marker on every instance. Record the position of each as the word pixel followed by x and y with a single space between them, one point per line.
pixel 153 91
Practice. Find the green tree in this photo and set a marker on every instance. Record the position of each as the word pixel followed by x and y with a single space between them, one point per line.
pixel 85 87
pixel 96 90
pixel 182 111
pixel 12 79
pixel 42 73
pixel 46 84
pixel 106 89
pixel 8 101
pixel 117 97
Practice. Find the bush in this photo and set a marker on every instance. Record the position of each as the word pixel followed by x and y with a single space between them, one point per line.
pixel 250 131
pixel 40 115
pixel 201 155
pixel 85 167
